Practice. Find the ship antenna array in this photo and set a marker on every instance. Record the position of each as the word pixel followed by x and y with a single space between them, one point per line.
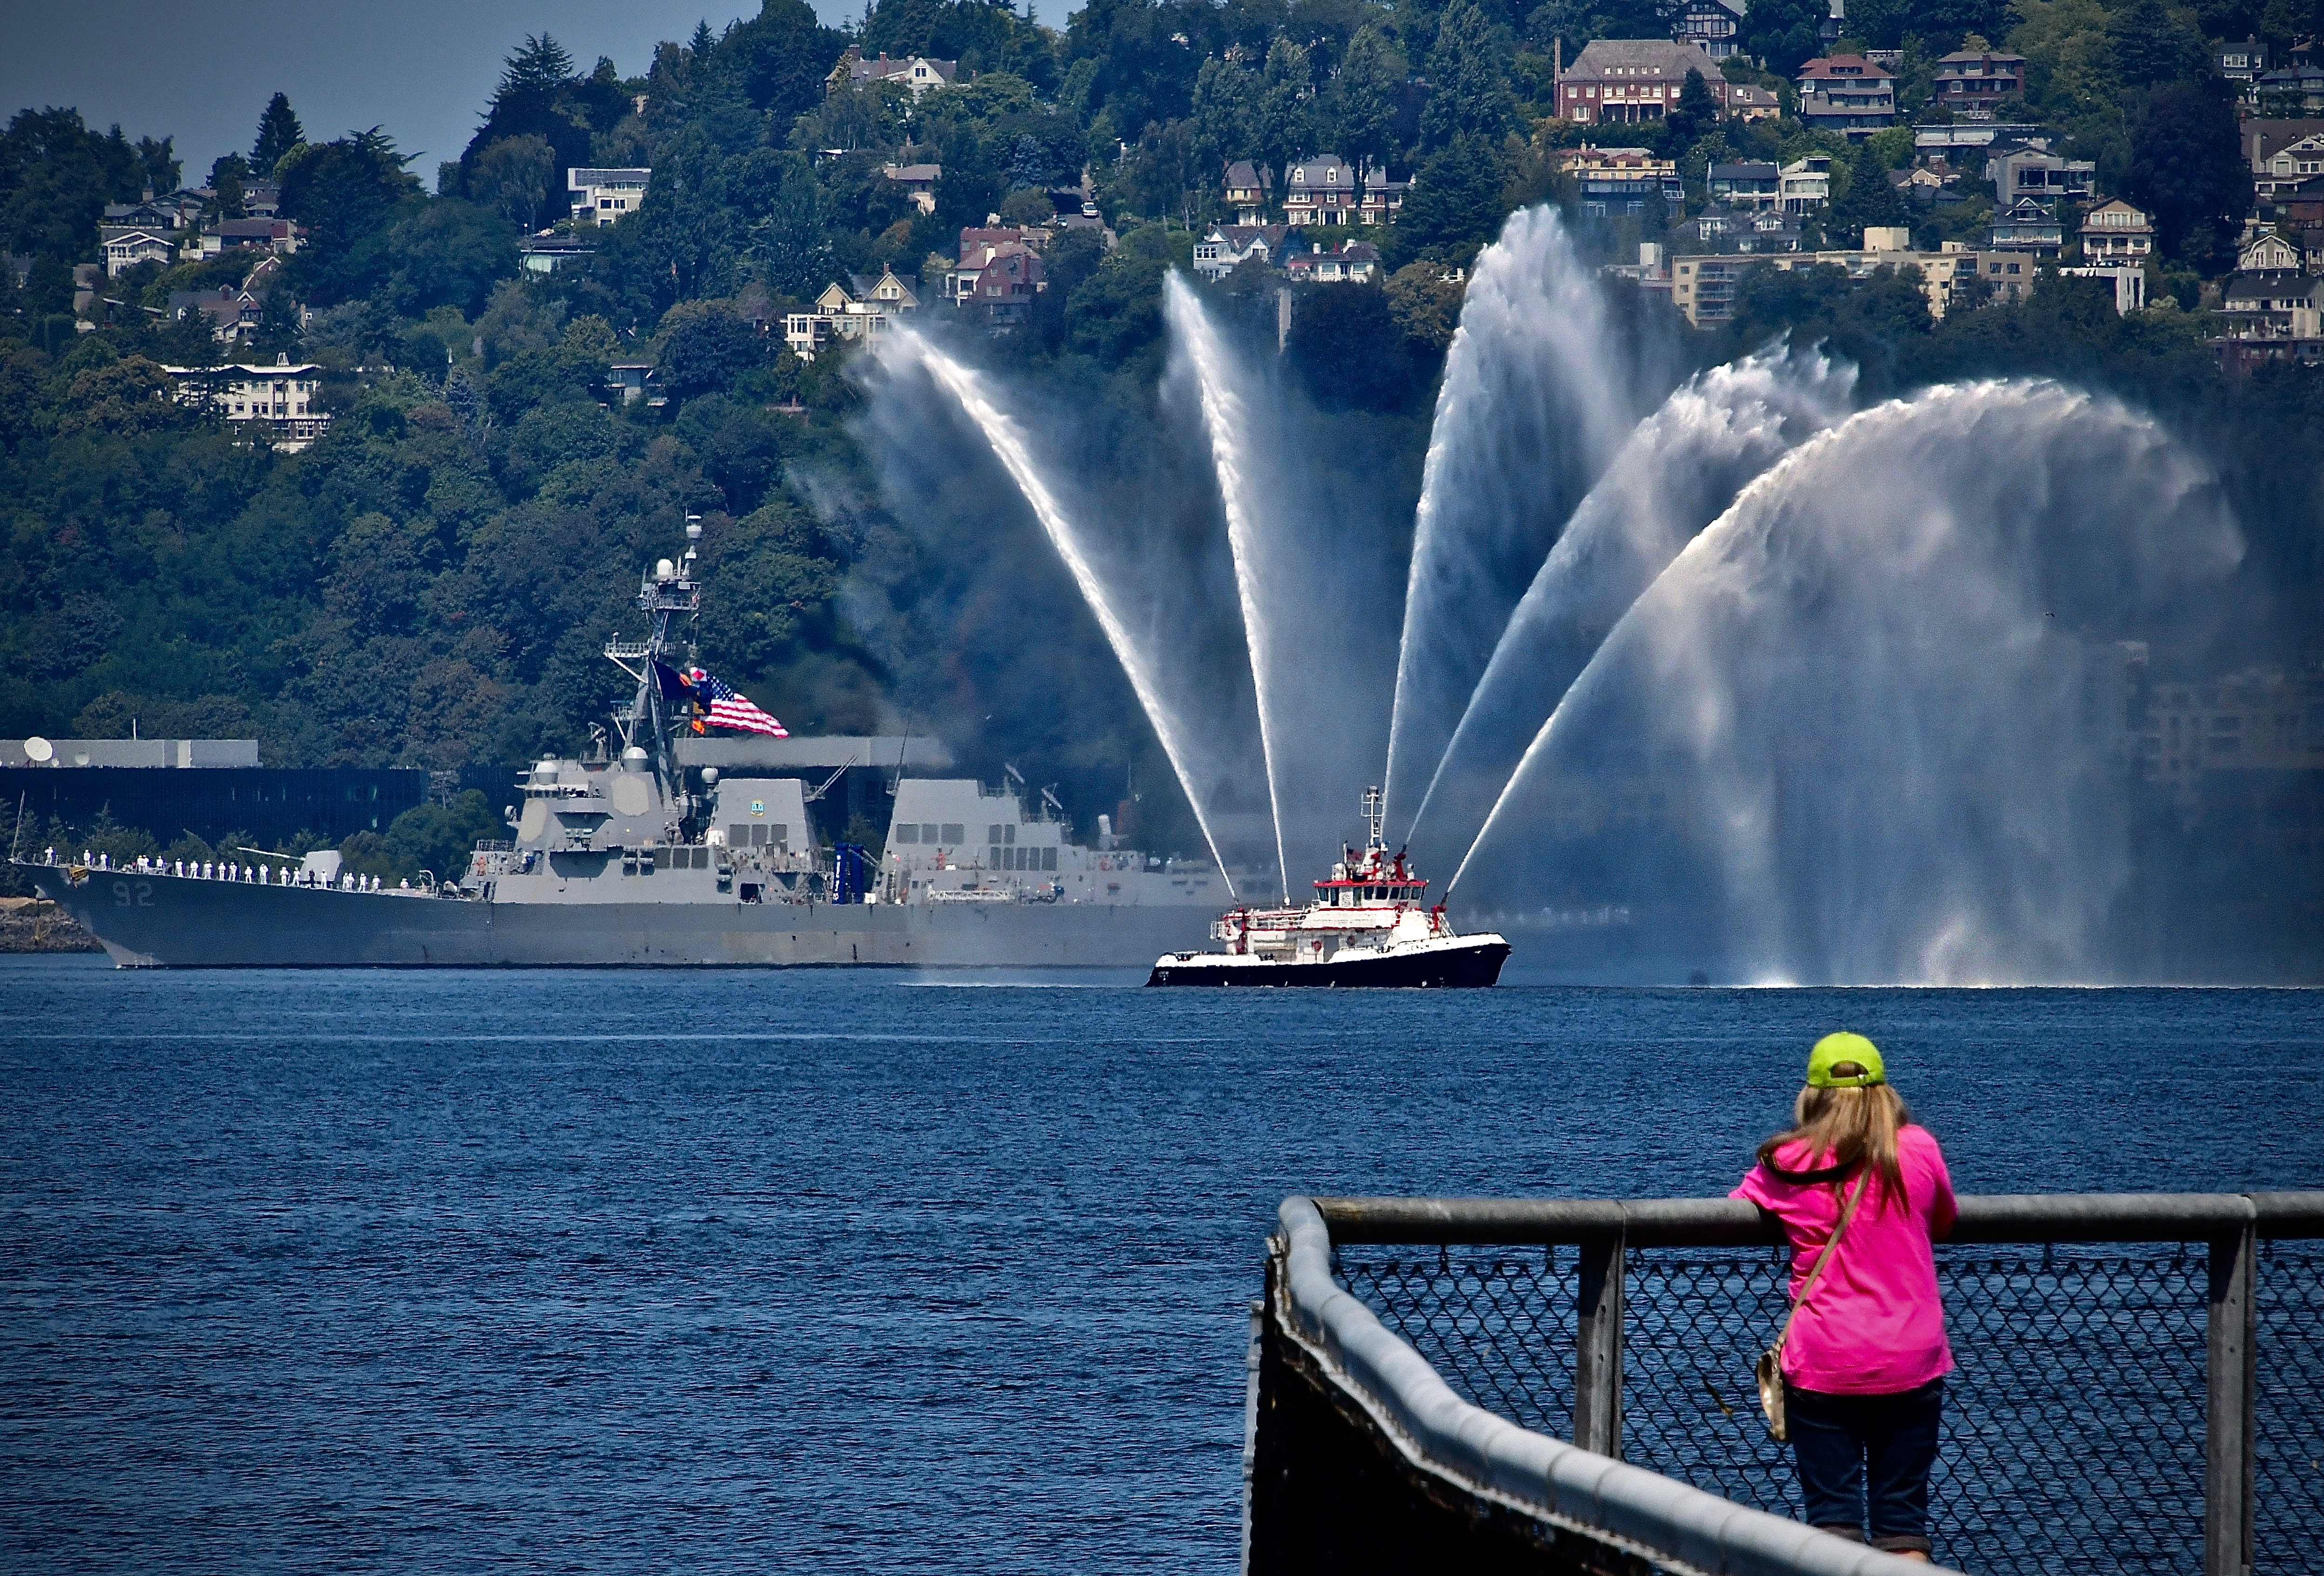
pixel 1375 816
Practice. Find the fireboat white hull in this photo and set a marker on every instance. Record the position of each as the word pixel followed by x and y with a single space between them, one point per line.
pixel 1439 963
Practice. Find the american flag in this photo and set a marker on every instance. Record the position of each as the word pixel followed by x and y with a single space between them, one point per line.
pixel 725 706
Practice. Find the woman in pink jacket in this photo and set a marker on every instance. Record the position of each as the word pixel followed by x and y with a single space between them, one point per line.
pixel 1865 1362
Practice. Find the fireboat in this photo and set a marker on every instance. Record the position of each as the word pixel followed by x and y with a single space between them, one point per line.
pixel 1370 925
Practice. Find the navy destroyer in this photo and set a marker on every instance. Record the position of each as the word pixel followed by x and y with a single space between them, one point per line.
pixel 1370 925
pixel 631 858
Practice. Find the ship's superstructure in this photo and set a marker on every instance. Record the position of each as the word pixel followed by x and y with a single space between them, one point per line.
pixel 627 857
pixel 1370 925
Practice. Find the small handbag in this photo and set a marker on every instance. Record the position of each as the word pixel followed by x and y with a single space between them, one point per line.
pixel 1771 1363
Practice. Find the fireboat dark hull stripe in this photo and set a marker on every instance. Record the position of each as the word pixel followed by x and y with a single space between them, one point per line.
pixel 1463 968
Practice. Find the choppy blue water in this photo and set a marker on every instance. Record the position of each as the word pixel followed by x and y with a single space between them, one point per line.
pixel 852 1272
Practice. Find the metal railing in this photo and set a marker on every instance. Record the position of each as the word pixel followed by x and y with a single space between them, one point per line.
pixel 1362 1458
pixel 2140 1383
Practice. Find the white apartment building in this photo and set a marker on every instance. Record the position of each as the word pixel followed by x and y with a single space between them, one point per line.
pixel 283 396
pixel 600 197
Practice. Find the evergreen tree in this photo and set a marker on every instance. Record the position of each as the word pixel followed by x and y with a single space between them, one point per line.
pixel 2153 44
pixel 1366 95
pixel 159 162
pixel 2187 171
pixel 788 243
pixel 279 132
pixel 1696 114
pixel 1468 79
pixel 1454 206
pixel 1282 121
pixel 1226 114
pixel 537 65
pixel 703 42
pixel 1784 32
pixel 1869 200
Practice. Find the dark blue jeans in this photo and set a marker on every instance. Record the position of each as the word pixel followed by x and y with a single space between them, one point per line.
pixel 1856 1452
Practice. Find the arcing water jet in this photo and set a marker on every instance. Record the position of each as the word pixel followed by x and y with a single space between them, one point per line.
pixel 1230 430
pixel 1009 446
pixel 1881 699
pixel 1529 410
pixel 1678 470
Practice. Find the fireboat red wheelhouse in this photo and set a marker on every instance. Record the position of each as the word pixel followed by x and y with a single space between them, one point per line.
pixel 1370 925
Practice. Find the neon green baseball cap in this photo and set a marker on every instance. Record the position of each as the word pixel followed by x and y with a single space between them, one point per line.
pixel 1858 1055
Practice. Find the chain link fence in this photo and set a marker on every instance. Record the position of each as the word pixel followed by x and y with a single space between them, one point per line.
pixel 2288 1410
pixel 2074 1423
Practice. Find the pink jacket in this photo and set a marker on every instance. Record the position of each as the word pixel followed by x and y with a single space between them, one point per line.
pixel 1875 1324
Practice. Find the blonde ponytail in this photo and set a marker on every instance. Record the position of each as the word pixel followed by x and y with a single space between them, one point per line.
pixel 1842 1128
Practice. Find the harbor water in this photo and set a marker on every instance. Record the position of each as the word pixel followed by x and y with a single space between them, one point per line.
pixel 851 1271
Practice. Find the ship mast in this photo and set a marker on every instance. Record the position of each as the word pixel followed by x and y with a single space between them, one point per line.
pixel 669 590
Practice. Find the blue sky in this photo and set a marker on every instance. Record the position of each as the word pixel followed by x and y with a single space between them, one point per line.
pixel 202 69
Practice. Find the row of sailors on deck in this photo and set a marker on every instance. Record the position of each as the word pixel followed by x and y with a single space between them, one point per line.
pixel 221 870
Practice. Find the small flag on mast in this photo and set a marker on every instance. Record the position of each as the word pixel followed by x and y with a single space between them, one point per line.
pixel 725 706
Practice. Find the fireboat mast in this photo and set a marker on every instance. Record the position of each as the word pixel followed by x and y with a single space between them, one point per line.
pixel 668 590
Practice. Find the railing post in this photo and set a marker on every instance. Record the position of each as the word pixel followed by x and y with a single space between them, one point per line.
pixel 1598 1347
pixel 2227 1408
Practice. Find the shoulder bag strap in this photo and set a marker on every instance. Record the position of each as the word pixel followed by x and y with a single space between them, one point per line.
pixel 1824 1258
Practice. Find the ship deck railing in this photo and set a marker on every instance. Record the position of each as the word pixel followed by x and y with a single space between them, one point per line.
pixel 1567 1385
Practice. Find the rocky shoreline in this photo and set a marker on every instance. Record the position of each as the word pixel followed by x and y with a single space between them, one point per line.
pixel 32 924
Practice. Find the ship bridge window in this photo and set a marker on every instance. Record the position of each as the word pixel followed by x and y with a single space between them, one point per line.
pixel 927 831
pixel 992 833
pixel 1007 833
pixel 907 832
pixel 954 834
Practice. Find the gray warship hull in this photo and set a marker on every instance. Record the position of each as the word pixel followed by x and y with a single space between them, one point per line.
pixel 147 920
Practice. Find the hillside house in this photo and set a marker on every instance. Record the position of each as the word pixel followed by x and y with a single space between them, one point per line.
pixel 144 215
pixel 1007 279
pixel 232 313
pixel 1804 185
pixel 1709 26
pixel 1249 189
pixel 2240 63
pixel 919 73
pixel 2281 304
pixel 545 254
pixel 1847 93
pixel 126 247
pixel 1745 184
pixel 284 396
pixel 1351 262
pixel 1620 182
pixel 1970 82
pixel 857 311
pixel 2268 253
pixel 602 196
pixel 2018 172
pixel 2028 225
pixel 918 181
pixel 2301 206
pixel 1723 228
pixel 978 245
pixel 1320 191
pixel 1383 198
pixel 1228 246
pixel 2287 152
pixel 2297 89
pixel 1623 82
pixel 2116 233
pixel 280 236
